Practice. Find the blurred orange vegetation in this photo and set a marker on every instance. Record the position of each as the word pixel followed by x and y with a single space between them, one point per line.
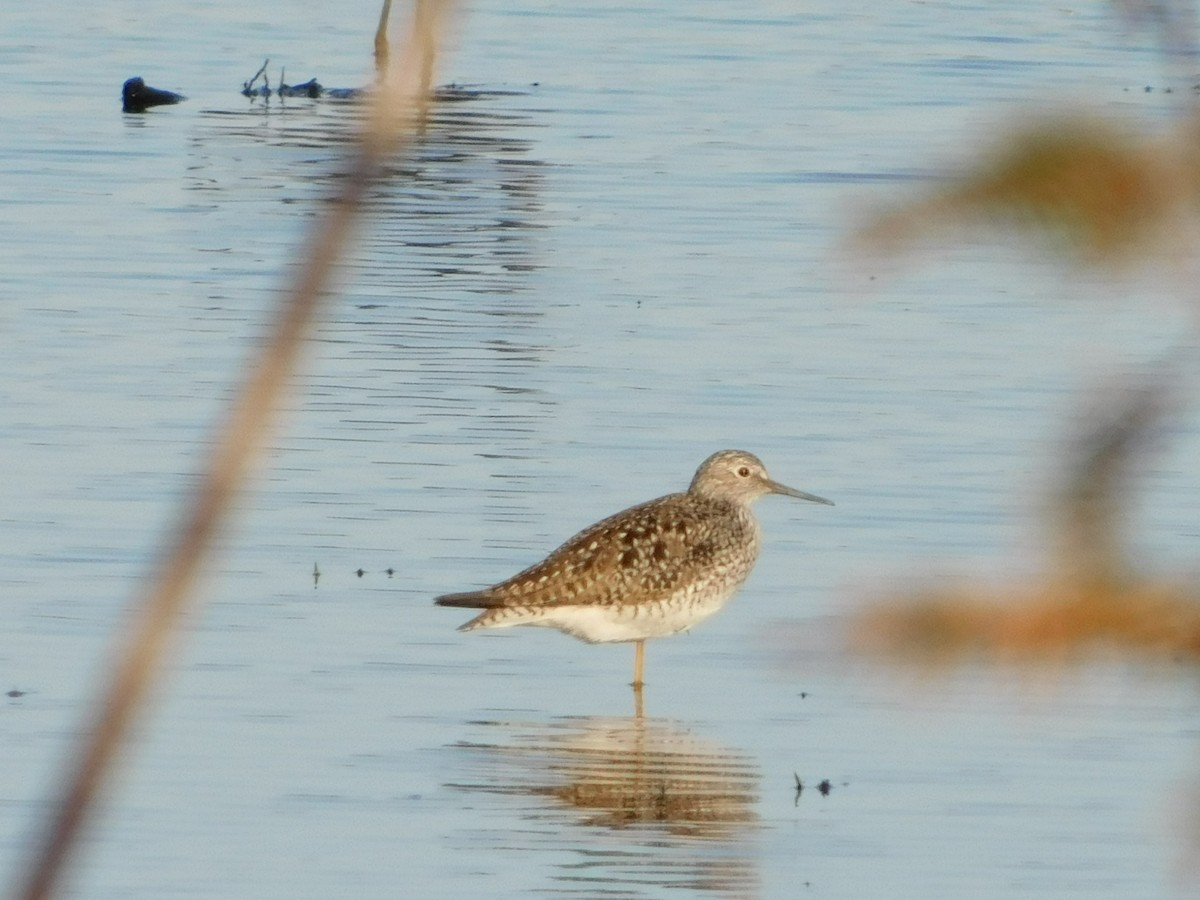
pixel 1050 622
pixel 1099 197
pixel 1079 183
pixel 1091 598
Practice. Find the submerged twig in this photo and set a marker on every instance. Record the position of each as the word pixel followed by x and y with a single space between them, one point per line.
pixel 248 88
pixel 158 613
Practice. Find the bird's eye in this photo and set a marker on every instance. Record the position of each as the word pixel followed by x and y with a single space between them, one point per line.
pixel 744 472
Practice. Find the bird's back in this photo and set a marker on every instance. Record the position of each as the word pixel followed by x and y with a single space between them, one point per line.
pixel 649 552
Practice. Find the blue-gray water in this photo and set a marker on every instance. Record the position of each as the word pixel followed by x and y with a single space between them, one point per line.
pixel 622 259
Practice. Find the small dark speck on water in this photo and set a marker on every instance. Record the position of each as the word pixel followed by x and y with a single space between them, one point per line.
pixel 390 572
pixel 360 573
pixel 16 693
pixel 316 575
pixel 825 787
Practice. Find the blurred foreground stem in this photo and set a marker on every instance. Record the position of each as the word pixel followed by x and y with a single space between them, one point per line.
pixel 159 611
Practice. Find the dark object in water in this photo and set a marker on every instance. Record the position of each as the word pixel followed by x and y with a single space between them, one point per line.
pixel 314 89
pixel 258 86
pixel 263 90
pixel 137 96
pixel 310 88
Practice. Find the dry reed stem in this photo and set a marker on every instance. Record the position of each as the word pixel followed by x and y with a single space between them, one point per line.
pixel 382 48
pixel 159 612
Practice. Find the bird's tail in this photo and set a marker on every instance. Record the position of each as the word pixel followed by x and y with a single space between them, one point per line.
pixel 466 600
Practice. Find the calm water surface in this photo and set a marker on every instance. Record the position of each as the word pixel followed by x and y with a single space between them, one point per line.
pixel 617 258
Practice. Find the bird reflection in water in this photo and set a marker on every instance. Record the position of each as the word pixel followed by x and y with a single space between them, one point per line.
pixel 652 804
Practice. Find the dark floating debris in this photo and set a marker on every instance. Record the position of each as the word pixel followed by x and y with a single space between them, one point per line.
pixel 311 88
pixel 360 572
pixel 137 96
pixel 14 693
pixel 258 87
pixel 825 787
pixel 264 90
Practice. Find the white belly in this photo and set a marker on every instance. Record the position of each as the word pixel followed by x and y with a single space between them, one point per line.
pixel 606 624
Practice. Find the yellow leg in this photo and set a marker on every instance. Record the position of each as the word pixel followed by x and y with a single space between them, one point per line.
pixel 639 661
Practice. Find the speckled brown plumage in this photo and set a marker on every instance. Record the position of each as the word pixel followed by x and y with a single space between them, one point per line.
pixel 654 569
